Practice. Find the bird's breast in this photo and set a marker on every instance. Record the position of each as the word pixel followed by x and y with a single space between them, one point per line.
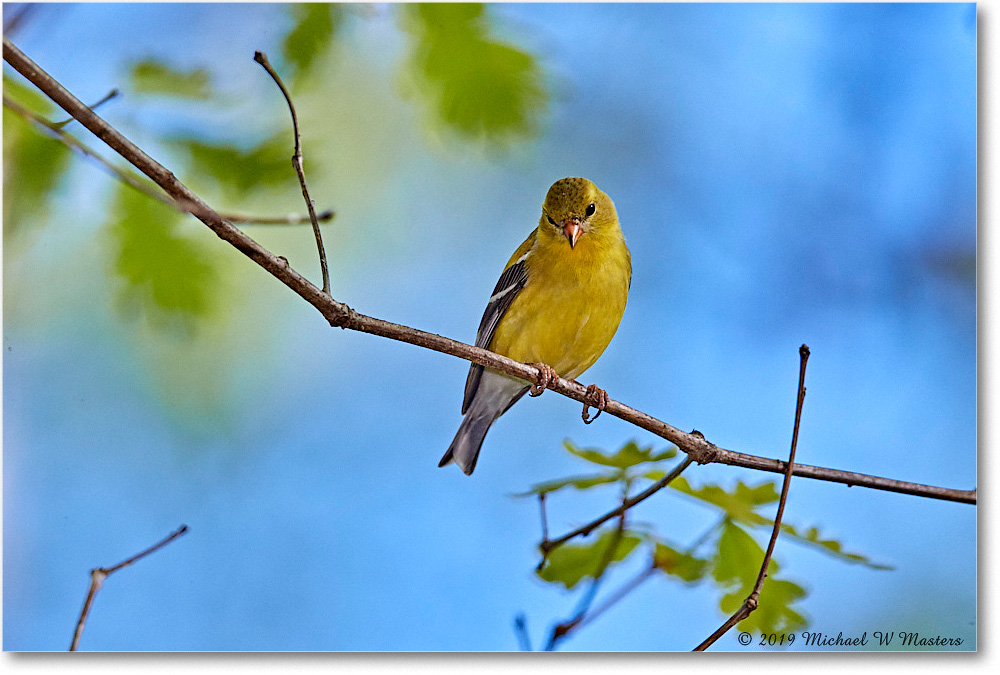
pixel 565 316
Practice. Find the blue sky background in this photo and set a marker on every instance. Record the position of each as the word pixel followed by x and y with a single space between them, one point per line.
pixel 784 174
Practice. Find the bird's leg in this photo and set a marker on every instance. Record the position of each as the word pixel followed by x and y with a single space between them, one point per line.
pixel 596 397
pixel 545 375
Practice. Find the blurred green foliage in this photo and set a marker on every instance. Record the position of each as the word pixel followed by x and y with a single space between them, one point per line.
pixel 239 171
pixel 168 278
pixel 628 455
pixel 316 24
pixel 151 77
pixel 477 86
pixel 727 555
pixel 33 163
pixel 681 564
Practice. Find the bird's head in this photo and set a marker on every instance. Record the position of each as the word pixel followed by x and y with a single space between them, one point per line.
pixel 575 207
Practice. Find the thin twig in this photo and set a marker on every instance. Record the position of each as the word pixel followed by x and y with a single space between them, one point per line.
pixel 261 58
pixel 521 629
pixel 705 535
pixel 547 545
pixel 15 21
pixel 561 630
pixel 152 191
pixel 617 596
pixel 291 219
pixel 107 97
pixel 341 315
pixel 99 574
pixel 545 520
pixel 750 604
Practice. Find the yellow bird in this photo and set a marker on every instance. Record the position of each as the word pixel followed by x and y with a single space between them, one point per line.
pixel 557 305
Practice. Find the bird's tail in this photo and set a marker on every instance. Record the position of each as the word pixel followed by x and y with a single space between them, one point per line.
pixel 495 395
pixel 464 450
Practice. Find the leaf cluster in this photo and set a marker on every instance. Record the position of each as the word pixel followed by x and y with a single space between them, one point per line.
pixel 727 556
pixel 476 85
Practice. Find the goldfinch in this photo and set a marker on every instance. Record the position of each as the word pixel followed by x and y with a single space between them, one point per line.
pixel 557 305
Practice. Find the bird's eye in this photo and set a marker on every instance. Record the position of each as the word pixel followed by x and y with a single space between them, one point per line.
pixel 550 219
pixel 590 209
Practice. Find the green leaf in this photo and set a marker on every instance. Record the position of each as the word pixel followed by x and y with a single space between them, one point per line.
pixel 628 455
pixel 315 25
pixel 153 78
pixel 737 565
pixel 28 96
pixel 682 565
pixel 33 162
pixel 570 563
pixel 239 171
pixel 740 504
pixel 167 277
pixel 831 547
pixel 739 558
pixel 477 86
pixel 579 482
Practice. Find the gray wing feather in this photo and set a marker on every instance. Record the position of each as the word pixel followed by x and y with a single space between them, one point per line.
pixel 511 283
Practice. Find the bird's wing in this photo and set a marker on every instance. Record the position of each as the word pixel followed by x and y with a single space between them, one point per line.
pixel 512 282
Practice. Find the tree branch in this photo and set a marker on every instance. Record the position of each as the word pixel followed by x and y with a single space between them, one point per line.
pixel 340 315
pixel 261 58
pixel 99 574
pixel 750 604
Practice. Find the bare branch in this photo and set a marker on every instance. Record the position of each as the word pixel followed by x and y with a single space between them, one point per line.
pixel 750 604
pixel 99 574
pixel 261 58
pixel 340 315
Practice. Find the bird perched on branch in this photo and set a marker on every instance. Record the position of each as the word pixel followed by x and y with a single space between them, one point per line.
pixel 557 305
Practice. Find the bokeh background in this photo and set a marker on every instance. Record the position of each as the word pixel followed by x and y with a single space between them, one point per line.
pixel 784 174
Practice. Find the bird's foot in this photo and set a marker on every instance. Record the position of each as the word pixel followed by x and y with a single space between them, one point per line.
pixel 596 397
pixel 545 375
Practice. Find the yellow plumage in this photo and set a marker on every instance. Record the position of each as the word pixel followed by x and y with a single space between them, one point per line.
pixel 558 302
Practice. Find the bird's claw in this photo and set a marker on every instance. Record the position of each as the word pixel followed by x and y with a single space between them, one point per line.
pixel 545 375
pixel 596 397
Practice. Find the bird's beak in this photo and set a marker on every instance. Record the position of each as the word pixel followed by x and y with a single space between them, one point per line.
pixel 572 229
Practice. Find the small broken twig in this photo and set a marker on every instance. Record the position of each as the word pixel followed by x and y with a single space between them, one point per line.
pixel 99 574
pixel 107 97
